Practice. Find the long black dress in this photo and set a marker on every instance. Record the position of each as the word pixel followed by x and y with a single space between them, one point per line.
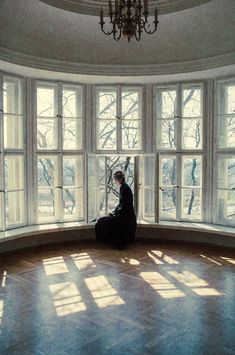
pixel 119 229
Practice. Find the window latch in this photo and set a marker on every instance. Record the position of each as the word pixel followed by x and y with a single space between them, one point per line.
pixel 59 187
pixel 176 186
pixel 161 188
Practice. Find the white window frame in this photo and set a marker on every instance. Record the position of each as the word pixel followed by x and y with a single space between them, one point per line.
pixel 219 152
pixel 59 153
pixel 179 151
pixel 12 151
pixel 119 120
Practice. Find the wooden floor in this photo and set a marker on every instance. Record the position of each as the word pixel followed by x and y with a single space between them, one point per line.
pixel 90 299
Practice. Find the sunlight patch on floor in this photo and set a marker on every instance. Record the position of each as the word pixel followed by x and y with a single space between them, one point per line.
pixel 55 266
pixel 67 299
pixel 102 292
pixel 162 286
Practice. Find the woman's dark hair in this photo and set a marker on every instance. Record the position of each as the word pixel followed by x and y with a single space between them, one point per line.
pixel 120 176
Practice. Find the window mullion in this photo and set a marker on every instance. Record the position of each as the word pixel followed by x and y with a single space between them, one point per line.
pixel 119 118
pixel 2 183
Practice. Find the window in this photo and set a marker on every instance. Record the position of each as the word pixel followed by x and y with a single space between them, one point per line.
pixel 60 164
pixel 179 143
pixel 103 194
pixel 12 155
pixel 225 153
pixel 118 119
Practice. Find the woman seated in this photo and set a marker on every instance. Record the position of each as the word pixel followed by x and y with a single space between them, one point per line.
pixel 118 228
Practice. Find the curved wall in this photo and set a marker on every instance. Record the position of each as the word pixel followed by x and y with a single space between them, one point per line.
pixel 49 38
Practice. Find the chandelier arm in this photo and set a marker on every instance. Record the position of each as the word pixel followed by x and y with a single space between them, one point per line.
pixel 106 32
pixel 128 20
pixel 150 31
pixel 119 35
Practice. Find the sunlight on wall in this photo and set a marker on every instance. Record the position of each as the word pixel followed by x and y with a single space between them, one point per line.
pixel 157 261
pixel 229 260
pixel 164 257
pixel 83 261
pixel 210 259
pixel 102 292
pixel 4 277
pixel 130 261
pixel 159 283
pixel 55 266
pixel 67 299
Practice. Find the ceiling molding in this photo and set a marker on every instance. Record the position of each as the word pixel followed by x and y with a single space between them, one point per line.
pixel 92 7
pixel 116 70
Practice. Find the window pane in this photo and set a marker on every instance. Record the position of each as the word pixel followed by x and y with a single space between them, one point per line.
pixel 14 172
pixel 14 208
pixel 13 132
pixel 192 171
pixel 107 134
pixel 12 95
pixel 131 134
pixel 73 203
pixel 149 188
pixel 126 164
pixel 192 134
pixel 192 203
pixel 106 104
pixel 131 105
pixel 72 101
pixel 46 171
pixel 166 103
pixel 72 171
pixel 166 134
pixel 226 132
pixel 46 206
pixel 192 101
pixel 149 171
pixel 168 173
pixel 167 203
pixel 226 205
pixel 149 204
pixel 47 101
pixel 226 173
pixel 72 134
pixel 47 133
pixel 230 99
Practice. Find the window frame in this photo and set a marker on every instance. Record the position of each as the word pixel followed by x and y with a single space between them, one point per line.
pixel 118 88
pixel 13 151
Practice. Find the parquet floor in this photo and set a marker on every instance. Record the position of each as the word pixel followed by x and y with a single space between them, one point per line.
pixel 86 298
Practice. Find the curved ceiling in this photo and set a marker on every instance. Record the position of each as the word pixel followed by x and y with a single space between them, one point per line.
pixel 36 34
pixel 92 7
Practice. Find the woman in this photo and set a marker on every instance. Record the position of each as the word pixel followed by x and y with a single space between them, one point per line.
pixel 119 226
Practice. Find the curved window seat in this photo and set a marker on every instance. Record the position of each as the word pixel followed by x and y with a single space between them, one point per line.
pixel 33 236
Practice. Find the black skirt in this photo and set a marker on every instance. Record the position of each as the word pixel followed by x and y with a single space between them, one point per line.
pixel 116 230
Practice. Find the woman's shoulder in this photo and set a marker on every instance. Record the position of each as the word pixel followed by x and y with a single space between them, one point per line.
pixel 125 186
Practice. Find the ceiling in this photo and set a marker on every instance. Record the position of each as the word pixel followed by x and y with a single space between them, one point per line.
pixel 36 34
pixel 92 7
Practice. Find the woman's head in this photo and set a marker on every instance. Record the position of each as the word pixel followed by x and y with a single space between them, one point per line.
pixel 119 177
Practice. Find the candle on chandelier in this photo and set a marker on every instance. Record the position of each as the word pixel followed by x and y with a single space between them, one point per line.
pixel 156 16
pixel 116 7
pixel 146 6
pixel 110 7
pixel 101 15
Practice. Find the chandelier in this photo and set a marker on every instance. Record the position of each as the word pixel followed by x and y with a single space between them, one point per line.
pixel 129 18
